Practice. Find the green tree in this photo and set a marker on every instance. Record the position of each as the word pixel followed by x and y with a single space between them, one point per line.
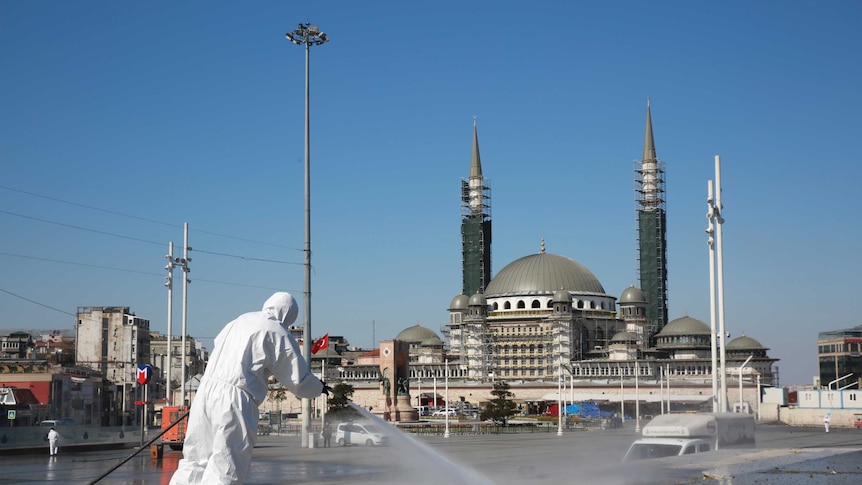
pixel 340 397
pixel 501 407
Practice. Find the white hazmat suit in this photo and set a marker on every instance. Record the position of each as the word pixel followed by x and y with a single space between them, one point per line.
pixel 53 441
pixel 222 427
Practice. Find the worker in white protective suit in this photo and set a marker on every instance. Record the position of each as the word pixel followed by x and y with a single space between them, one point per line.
pixel 222 426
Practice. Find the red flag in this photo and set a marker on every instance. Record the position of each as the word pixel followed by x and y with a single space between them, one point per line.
pixel 320 344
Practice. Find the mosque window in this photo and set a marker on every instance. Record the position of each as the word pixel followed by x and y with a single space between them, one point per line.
pixel 507 305
pixel 536 304
pixel 592 305
pixel 551 305
pixel 496 306
pixel 521 304
pixel 580 304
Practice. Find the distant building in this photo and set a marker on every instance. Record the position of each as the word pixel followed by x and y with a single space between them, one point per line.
pixel 840 355
pixel 113 341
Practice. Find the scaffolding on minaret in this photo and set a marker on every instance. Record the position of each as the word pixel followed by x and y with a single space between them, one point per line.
pixel 652 232
pixel 475 226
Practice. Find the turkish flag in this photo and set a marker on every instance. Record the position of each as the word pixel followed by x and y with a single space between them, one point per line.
pixel 320 344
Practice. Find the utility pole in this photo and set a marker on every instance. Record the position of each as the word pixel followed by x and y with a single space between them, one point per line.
pixel 307 35
pixel 169 282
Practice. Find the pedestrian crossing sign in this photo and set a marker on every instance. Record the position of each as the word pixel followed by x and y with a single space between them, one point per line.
pixel 10 414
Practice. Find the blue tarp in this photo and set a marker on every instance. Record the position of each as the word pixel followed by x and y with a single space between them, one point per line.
pixel 588 410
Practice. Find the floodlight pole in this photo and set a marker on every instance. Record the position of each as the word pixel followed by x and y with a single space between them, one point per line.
pixel 307 35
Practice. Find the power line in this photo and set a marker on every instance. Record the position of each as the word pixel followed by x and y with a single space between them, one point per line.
pixel 36 302
pixel 133 271
pixel 105 233
pixel 153 221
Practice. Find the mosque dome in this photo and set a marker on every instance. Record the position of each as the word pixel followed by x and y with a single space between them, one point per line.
pixel 432 342
pixel 624 337
pixel 744 343
pixel 542 273
pixel 562 296
pixel 459 302
pixel 478 300
pixel 685 326
pixel 416 334
pixel 632 295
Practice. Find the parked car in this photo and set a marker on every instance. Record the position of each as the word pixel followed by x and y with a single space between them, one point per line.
pixel 424 410
pixel 51 423
pixel 444 412
pixel 360 433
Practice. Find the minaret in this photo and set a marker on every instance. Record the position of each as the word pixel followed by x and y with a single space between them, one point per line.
pixel 475 226
pixel 652 232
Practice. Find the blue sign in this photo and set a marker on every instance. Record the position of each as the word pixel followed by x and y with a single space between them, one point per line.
pixel 145 373
pixel 10 414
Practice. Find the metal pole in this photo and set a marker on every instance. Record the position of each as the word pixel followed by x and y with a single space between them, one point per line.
pixel 740 380
pixel 559 401
pixel 661 387
pixel 446 404
pixel 306 35
pixel 637 399
pixel 622 395
pixel 170 284
pixel 185 309
pixel 720 274
pixel 710 230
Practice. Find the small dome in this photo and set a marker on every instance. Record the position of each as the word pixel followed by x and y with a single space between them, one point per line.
pixel 744 343
pixel 685 326
pixel 459 302
pixel 624 337
pixel 562 296
pixel 478 300
pixel 415 334
pixel 632 295
pixel 432 342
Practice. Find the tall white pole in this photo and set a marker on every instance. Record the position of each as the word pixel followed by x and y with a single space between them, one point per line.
pixel 667 377
pixel 435 390
pixel 419 380
pixel 170 284
pixel 622 396
pixel 559 400
pixel 720 277
pixel 186 260
pixel 637 399
pixel 446 404
pixel 758 397
pixel 740 381
pixel 710 230
pixel 661 387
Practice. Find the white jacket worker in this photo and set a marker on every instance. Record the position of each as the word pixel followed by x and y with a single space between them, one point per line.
pixel 222 427
pixel 53 441
pixel 826 422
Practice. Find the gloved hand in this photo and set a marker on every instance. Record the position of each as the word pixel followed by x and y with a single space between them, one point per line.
pixel 328 390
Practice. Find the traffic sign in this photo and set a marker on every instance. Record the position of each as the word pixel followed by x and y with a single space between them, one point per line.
pixel 10 414
pixel 145 373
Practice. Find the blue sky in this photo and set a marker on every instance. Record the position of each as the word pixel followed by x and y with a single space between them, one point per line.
pixel 128 119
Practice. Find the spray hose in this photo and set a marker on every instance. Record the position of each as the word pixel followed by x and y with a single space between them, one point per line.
pixel 145 446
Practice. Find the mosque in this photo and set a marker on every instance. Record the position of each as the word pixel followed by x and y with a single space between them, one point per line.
pixel 545 316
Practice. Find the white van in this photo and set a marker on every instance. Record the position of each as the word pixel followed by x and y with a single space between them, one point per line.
pixel 360 433
pixel 52 423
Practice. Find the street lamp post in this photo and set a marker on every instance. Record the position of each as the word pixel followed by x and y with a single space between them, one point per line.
pixel 446 404
pixel 307 35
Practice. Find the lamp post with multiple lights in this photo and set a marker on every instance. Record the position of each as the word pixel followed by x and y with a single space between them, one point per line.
pixel 307 35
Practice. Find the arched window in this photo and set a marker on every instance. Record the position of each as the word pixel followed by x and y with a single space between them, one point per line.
pixel 507 305
pixel 521 304
pixel 580 304
pixel 496 305
pixel 536 304
pixel 551 305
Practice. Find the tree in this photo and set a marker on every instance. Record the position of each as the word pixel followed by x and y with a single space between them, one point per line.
pixel 501 407
pixel 339 400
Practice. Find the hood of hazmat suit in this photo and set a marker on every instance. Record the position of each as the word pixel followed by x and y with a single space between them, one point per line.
pixel 282 306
